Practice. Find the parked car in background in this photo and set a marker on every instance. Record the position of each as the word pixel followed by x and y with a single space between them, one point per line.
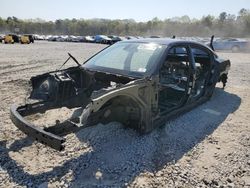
pixel 103 39
pixel 116 38
pixel 89 39
pixel 11 39
pixel 232 44
pixel 78 39
pixel 38 37
pixel 47 37
pixel 62 39
pixel 31 38
pixel 70 38
pixel 8 39
pixel 154 36
pixel 131 37
pixel 1 38
pixel 26 39
pixel 52 38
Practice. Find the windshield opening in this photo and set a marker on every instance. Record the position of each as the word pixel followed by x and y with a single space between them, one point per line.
pixel 132 59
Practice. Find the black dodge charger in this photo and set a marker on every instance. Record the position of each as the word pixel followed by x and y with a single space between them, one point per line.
pixel 140 83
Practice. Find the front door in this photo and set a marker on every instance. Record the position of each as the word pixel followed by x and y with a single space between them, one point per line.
pixel 176 79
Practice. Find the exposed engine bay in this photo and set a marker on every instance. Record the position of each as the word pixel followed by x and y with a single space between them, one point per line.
pixel 73 87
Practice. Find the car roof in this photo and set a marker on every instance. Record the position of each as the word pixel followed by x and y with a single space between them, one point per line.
pixel 165 41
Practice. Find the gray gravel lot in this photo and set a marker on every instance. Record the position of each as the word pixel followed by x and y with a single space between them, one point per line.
pixel 206 147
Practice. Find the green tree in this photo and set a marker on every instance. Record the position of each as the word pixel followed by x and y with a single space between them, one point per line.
pixel 207 21
pixel 224 25
pixel 222 17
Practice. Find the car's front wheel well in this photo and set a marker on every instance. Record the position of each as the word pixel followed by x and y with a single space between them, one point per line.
pixel 123 109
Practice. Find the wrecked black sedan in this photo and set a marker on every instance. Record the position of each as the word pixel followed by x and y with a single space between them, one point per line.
pixel 140 83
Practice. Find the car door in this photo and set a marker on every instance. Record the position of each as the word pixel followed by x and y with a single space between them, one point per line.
pixel 203 62
pixel 176 78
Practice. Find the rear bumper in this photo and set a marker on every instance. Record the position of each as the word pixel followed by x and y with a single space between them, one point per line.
pixel 34 132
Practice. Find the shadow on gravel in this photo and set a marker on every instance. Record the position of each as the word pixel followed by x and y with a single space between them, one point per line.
pixel 119 155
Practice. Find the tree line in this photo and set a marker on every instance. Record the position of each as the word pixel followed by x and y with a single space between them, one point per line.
pixel 225 25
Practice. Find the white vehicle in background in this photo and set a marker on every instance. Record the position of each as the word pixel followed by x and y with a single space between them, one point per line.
pixel 89 39
pixel 1 38
pixel 62 38
pixel 39 37
pixel 78 39
pixel 52 38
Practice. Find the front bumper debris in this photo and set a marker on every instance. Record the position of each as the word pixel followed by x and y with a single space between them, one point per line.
pixel 34 132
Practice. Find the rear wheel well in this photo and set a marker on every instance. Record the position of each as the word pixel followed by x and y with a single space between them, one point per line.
pixel 223 78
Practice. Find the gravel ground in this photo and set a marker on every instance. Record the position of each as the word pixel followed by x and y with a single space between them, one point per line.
pixel 206 147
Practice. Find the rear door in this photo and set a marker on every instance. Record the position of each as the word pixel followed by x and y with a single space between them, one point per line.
pixel 204 71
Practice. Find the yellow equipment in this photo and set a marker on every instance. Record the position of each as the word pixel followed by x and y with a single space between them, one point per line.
pixel 25 39
pixel 8 39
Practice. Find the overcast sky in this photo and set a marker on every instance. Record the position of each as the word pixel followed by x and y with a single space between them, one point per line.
pixel 139 10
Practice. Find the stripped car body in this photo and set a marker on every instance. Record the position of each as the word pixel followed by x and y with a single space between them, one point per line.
pixel 140 83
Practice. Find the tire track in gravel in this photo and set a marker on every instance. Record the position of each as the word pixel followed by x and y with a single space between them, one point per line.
pixel 30 64
pixel 19 70
pixel 12 66
pixel 25 72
